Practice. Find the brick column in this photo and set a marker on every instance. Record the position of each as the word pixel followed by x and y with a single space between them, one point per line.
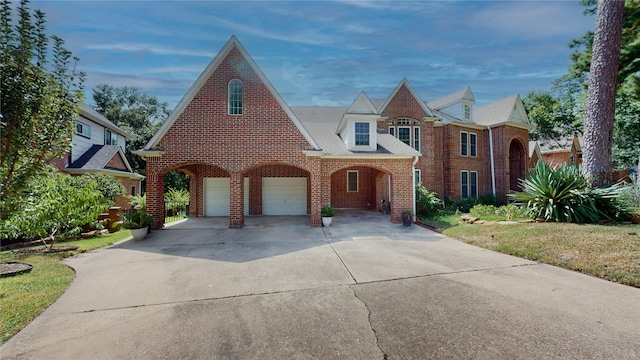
pixel 315 182
pixel 401 191
pixel 236 211
pixel 155 195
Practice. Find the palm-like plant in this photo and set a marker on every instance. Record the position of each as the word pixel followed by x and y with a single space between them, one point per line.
pixel 563 194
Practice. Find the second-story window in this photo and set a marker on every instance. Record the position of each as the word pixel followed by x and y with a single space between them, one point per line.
pixel 110 138
pixel 468 144
pixel 83 129
pixel 235 97
pixel 362 133
pixel 467 112
pixel 407 131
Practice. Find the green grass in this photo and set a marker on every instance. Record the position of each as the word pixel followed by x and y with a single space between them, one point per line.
pixel 442 220
pixel 25 296
pixel 611 252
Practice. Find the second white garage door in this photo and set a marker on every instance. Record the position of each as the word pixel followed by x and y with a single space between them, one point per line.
pixel 284 196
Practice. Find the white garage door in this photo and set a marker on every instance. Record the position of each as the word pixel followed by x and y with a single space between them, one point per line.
pixel 284 196
pixel 216 196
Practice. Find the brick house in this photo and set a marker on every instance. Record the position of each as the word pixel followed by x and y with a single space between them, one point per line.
pixel 248 153
pixel 566 150
pixel 98 146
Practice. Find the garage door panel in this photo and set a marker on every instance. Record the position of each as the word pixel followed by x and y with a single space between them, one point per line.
pixel 284 196
pixel 217 196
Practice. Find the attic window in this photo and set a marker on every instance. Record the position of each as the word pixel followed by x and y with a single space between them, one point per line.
pixel 467 112
pixel 235 97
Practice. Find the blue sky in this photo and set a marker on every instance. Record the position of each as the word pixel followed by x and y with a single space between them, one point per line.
pixel 325 52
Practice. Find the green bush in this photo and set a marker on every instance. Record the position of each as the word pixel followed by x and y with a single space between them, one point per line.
pixel 428 203
pixel 176 200
pixel 54 206
pixel 563 194
pixel 513 212
pixel 630 193
pixel 484 211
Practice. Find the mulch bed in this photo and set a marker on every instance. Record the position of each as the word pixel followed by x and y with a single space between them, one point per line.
pixel 12 268
pixel 46 250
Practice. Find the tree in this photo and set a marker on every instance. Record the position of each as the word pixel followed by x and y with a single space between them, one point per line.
pixel 40 95
pixel 629 63
pixel 55 205
pixel 599 114
pixel 551 117
pixel 133 111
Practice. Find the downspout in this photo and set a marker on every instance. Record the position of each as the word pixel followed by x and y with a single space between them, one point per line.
pixel 389 191
pixel 413 186
pixel 493 170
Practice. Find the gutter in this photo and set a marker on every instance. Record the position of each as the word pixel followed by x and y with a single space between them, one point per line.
pixel 413 186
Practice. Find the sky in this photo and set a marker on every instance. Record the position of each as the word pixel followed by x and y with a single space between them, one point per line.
pixel 325 52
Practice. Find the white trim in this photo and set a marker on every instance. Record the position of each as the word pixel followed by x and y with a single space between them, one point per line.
pixel 475 147
pixel 476 184
pixel 466 133
pixel 357 181
pixel 229 97
pixel 464 173
pixel 129 175
pixel 419 177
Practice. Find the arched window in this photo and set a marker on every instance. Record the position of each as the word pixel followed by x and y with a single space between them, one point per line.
pixel 235 97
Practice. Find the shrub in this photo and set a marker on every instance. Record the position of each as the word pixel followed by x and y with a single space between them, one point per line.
pixel 630 194
pixel 176 200
pixel 484 211
pixel 428 203
pixel 563 194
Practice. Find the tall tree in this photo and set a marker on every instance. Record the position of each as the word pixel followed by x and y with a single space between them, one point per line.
pixel 599 114
pixel 40 92
pixel 551 117
pixel 133 111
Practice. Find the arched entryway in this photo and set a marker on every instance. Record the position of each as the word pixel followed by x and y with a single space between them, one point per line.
pixel 360 187
pixel 517 164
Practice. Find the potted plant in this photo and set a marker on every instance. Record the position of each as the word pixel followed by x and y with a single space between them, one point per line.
pixel 407 217
pixel 327 215
pixel 138 223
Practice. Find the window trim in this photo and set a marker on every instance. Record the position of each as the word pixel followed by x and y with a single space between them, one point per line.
pixel 112 136
pixel 466 176
pixel 473 184
pixel 466 111
pixel 83 126
pixel 356 133
pixel 473 145
pixel 398 128
pixel 418 176
pixel 416 138
pixel 232 103
pixel 357 181
pixel 464 146
pixel 133 190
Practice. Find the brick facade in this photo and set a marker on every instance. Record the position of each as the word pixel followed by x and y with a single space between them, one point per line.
pixel 204 141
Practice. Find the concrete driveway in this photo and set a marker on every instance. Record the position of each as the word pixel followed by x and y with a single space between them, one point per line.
pixel 361 289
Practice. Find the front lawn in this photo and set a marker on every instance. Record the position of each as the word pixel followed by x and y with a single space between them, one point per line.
pixel 610 252
pixel 23 297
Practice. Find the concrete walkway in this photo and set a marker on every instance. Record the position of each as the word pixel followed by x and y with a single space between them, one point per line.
pixel 362 289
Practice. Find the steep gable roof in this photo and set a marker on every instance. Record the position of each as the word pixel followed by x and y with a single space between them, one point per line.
pixel 505 110
pixel 98 156
pixel 458 96
pixel 205 75
pixel 362 105
pixel 405 83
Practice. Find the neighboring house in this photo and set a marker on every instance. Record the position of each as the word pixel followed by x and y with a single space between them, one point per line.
pixel 535 154
pixel 566 150
pixel 249 153
pixel 98 146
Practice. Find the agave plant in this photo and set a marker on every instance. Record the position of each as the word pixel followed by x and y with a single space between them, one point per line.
pixel 563 194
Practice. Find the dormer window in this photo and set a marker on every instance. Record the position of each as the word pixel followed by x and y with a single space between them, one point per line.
pixel 467 112
pixel 362 134
pixel 235 97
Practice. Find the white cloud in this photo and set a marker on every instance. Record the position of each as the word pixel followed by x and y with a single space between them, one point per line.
pixel 153 48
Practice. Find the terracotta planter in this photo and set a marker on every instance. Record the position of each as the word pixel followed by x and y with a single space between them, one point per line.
pixel 139 234
pixel 326 221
